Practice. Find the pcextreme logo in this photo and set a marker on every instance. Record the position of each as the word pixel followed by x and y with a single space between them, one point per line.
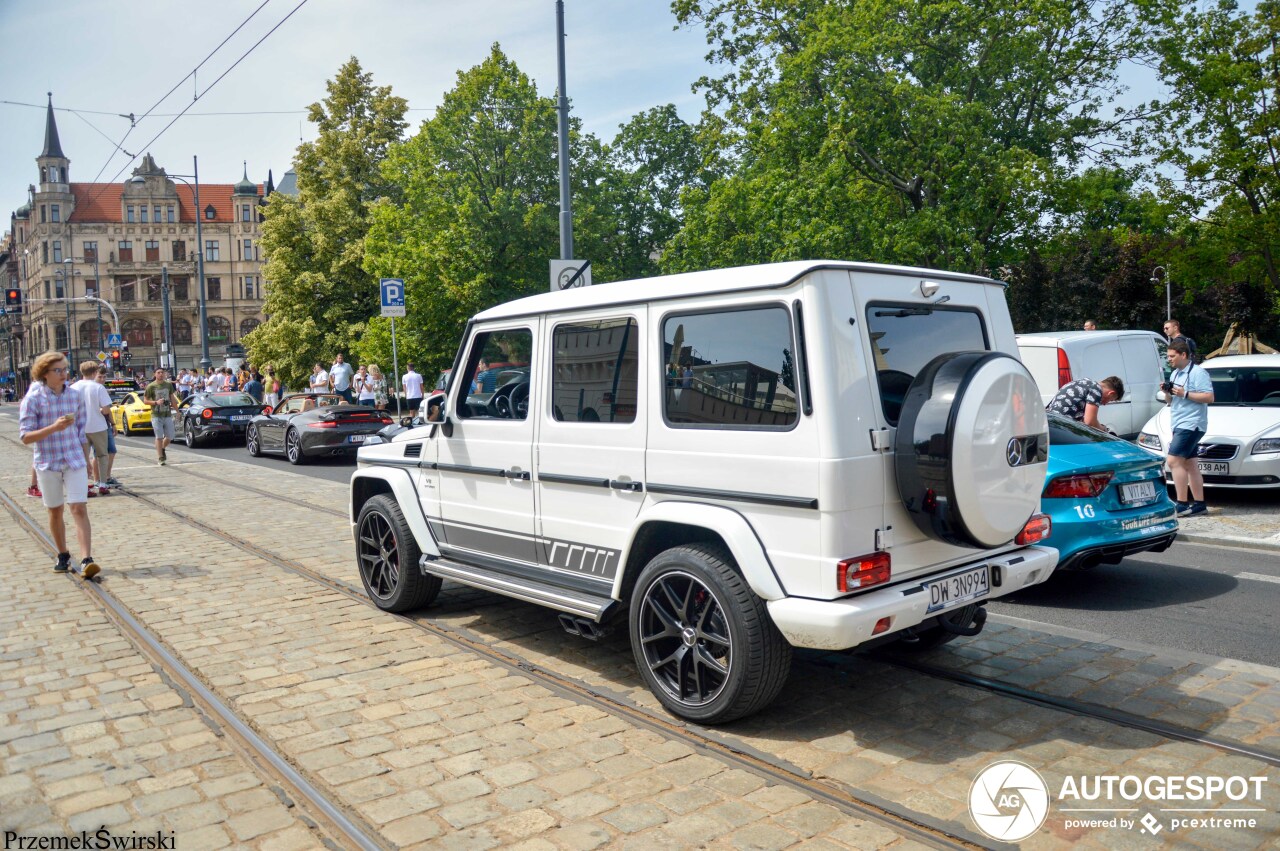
pixel 1008 801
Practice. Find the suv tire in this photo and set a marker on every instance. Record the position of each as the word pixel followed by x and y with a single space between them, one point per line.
pixel 387 555
pixel 703 641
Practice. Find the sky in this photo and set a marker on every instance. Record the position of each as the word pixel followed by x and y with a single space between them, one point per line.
pixel 622 57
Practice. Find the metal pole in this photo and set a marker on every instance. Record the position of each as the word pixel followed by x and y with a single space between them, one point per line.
pixel 205 363
pixel 168 317
pixel 97 283
pixel 395 365
pixel 1168 296
pixel 566 205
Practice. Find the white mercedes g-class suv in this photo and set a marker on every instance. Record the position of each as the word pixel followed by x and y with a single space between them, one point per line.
pixel 740 461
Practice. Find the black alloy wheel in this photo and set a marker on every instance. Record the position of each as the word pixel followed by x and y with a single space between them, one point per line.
pixel 702 639
pixel 251 441
pixel 188 433
pixel 388 556
pixel 293 447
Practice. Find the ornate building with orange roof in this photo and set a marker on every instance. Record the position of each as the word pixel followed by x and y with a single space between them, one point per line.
pixel 115 241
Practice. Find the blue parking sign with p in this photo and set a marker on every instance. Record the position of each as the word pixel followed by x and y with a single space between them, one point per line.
pixel 392 296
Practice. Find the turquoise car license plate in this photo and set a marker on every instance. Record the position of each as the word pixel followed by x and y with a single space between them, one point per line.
pixel 1138 492
pixel 959 588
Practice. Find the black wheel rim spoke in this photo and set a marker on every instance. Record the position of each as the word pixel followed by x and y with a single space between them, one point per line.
pixel 379 556
pixel 684 639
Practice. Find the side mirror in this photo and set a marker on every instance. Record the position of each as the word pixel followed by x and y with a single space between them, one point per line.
pixel 1160 396
pixel 266 409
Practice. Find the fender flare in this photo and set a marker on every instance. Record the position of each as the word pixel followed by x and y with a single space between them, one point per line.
pixel 744 544
pixel 400 482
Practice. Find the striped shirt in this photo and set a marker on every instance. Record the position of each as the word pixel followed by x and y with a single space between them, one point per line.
pixel 62 450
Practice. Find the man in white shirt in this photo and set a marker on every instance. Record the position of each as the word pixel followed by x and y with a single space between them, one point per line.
pixel 213 381
pixel 412 383
pixel 340 378
pixel 97 407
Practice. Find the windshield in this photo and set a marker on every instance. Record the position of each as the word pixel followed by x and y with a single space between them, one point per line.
pixel 230 400
pixel 1245 386
pixel 906 337
pixel 1064 431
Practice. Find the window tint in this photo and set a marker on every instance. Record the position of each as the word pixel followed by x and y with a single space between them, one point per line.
pixel 496 380
pixel 731 369
pixel 1064 431
pixel 905 337
pixel 595 371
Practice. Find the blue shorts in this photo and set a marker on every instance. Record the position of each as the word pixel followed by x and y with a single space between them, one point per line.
pixel 1184 443
pixel 111 441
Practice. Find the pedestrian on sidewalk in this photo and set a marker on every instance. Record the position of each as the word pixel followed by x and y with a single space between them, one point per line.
pixel 161 396
pixel 97 407
pixel 272 386
pixel 412 384
pixel 52 419
pixel 1190 391
pixel 377 385
pixel 340 378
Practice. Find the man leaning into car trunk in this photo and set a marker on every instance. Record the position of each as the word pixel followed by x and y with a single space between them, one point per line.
pixel 1190 392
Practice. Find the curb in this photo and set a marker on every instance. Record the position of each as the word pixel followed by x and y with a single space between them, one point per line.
pixel 1228 541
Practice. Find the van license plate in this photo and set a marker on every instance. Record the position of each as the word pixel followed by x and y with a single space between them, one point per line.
pixel 960 588
pixel 1221 468
pixel 1138 492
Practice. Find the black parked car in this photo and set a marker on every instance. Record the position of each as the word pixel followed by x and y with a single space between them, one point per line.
pixel 207 415
pixel 305 425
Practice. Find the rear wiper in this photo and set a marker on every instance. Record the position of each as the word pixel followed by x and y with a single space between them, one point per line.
pixel 906 311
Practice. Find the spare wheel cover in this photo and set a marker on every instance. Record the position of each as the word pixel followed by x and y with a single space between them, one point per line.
pixel 972 449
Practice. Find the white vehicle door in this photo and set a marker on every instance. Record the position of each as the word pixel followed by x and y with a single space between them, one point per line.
pixel 591 445
pixel 485 455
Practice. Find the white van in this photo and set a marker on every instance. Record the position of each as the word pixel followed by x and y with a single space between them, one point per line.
pixel 1056 358
pixel 731 463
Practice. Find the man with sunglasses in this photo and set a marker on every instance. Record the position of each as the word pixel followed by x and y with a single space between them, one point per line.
pixel 52 420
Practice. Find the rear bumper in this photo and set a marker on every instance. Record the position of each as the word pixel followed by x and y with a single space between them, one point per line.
pixel 1113 553
pixel 845 623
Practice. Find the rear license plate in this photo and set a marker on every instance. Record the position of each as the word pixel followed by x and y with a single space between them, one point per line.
pixel 1138 492
pixel 356 438
pixel 1221 468
pixel 960 588
pixel 241 418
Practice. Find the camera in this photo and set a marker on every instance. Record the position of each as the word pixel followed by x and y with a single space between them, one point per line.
pixel 1167 386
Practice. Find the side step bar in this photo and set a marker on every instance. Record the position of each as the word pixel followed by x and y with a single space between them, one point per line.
pixel 577 603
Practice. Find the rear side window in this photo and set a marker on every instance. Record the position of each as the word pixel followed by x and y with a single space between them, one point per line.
pixel 729 369
pixel 905 337
pixel 595 371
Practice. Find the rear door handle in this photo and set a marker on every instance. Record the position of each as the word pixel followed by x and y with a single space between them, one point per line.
pixel 521 475
pixel 626 485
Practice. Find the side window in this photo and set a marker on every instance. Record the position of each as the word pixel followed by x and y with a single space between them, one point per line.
pixel 729 369
pixel 595 371
pixel 906 337
pixel 495 381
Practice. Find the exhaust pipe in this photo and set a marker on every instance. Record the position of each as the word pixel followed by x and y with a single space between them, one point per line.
pixel 582 627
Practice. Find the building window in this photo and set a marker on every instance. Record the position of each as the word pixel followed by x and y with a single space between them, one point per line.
pixel 44 252
pixel 88 334
pixel 248 287
pixel 179 249
pixel 209 213
pixel 142 214
pixel 181 287
pixel 219 329
pixel 44 211
pixel 55 212
pixel 128 215
pixel 60 335
pixel 153 250
pixel 213 289
pixel 57 251
pixel 137 332
pixel 211 250
pixel 47 294
pixel 156 217
pixel 57 287
pixel 91 252
pixel 171 215
pixel 153 288
pixel 181 332
pixel 125 247
pixel 248 325
pixel 90 287
pixel 248 250
pixel 245 212
pixel 127 289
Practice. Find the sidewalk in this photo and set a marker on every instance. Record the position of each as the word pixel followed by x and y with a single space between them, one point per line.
pixel 1235 519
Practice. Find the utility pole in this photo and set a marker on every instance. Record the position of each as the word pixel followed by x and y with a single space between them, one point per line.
pixel 566 204
pixel 168 318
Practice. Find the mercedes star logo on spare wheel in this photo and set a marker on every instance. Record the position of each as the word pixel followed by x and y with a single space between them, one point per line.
pixel 1008 801
pixel 1013 452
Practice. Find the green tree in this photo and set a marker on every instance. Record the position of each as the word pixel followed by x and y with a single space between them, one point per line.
pixel 913 131
pixel 319 296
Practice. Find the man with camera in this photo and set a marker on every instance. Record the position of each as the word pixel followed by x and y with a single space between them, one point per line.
pixel 1189 391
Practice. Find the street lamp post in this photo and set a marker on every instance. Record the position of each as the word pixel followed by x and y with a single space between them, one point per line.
pixel 169 360
pixel 205 362
pixel 1168 291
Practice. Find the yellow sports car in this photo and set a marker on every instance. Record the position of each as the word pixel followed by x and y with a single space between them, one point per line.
pixel 131 415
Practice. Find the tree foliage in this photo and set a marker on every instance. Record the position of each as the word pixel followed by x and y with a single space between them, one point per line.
pixel 318 296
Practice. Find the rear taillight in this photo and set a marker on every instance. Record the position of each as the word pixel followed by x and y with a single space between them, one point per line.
pixel 1035 530
pixel 206 414
pixel 854 574
pixel 1064 368
pixel 1077 487
pixel 322 425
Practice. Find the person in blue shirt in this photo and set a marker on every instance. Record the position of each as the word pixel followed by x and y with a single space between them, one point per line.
pixel 1190 392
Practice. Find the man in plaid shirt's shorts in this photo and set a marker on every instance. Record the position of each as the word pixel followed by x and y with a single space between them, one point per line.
pixel 52 419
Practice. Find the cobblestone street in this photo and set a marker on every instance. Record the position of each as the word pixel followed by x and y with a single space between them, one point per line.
pixel 479 723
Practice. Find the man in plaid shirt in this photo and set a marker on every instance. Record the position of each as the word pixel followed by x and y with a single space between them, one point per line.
pixel 52 418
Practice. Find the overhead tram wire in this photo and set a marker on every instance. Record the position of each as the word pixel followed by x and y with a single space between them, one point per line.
pixel 207 89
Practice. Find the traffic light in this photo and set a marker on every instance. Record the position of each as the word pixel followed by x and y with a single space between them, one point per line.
pixel 13 300
pixel 115 358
